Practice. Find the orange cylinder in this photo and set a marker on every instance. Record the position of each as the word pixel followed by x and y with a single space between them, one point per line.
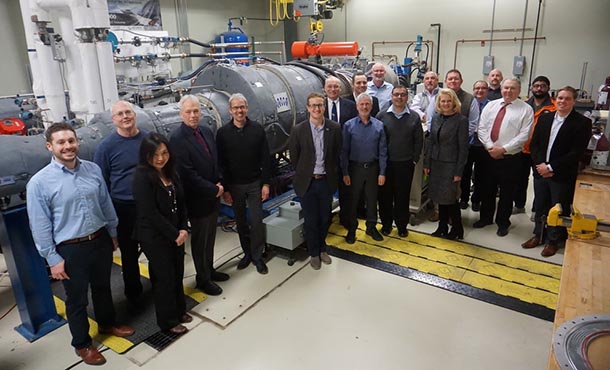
pixel 303 49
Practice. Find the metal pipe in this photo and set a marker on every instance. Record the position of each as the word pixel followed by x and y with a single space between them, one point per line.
pixel 438 45
pixel 523 28
pixel 534 47
pixel 430 42
pixel 491 36
pixel 515 39
pixel 183 31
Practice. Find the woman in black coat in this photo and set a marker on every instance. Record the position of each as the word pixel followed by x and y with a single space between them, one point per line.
pixel 160 228
pixel 446 155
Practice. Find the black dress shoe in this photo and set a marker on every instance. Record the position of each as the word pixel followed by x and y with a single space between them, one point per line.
pixel 186 318
pixel 219 276
pixel 386 230
pixel 476 206
pixel 261 267
pixel 441 231
pixel 245 262
pixel 455 234
pixel 403 233
pixel 502 231
pixel 210 288
pixel 463 205
pixel 178 329
pixel 350 238
pixel 372 231
pixel 480 224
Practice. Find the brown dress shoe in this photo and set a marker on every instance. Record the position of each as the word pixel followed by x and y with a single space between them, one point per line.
pixel 533 242
pixel 549 250
pixel 90 355
pixel 117 330
pixel 178 329
pixel 186 318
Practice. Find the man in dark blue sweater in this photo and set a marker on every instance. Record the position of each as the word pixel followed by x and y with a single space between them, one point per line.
pixel 117 156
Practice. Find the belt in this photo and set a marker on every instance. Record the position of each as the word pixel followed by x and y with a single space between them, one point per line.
pixel 89 237
pixel 363 164
pixel 318 177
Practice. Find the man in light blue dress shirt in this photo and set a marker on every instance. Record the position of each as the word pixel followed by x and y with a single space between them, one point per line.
pixel 74 226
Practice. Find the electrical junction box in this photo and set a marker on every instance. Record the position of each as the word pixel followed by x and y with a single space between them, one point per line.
pixel 488 64
pixel 305 8
pixel 519 65
pixel 285 228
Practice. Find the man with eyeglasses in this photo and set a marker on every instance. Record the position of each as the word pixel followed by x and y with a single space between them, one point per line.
pixel 405 140
pixel 197 162
pixel 364 155
pixel 117 156
pixel 315 147
pixel 245 165
pixel 337 108
pixel 542 102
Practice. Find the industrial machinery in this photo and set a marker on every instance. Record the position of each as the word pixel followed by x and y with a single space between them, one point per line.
pixel 285 228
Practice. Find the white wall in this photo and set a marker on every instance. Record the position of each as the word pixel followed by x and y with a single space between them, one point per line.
pixel 575 31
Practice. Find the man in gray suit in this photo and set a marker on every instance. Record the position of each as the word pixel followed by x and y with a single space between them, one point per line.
pixel 315 146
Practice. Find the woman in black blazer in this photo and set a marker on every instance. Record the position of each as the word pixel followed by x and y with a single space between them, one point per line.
pixel 160 228
pixel 446 155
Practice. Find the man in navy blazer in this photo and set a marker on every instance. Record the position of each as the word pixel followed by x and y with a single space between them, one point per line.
pixel 197 159
pixel 558 142
pixel 345 109
pixel 315 146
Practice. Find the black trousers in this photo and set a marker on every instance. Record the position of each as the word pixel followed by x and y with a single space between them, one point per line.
pixel 251 234
pixel 203 238
pixel 394 195
pixel 126 212
pixel 476 154
pixel 316 204
pixel 166 262
pixel 87 264
pixel 498 173
pixel 549 192
pixel 363 178
pixel 522 180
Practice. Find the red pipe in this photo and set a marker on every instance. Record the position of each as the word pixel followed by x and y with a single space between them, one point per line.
pixel 303 49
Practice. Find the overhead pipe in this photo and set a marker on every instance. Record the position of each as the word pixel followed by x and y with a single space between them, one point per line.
pixel 401 42
pixel 514 39
pixel 535 39
pixel 523 28
pixel 438 45
pixel 491 36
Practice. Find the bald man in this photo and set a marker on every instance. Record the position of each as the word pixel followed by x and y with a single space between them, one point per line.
pixel 379 87
pixel 495 78
pixel 117 156
pixel 338 109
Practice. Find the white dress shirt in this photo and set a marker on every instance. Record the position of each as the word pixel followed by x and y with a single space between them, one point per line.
pixel 515 128
pixel 555 127
pixel 330 109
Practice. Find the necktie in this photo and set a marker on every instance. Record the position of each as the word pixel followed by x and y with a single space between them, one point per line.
pixel 334 113
pixel 495 129
pixel 202 142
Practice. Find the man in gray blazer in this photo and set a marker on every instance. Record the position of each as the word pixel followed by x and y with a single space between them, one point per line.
pixel 315 146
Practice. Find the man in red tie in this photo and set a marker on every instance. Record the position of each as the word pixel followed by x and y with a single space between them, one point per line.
pixel 503 129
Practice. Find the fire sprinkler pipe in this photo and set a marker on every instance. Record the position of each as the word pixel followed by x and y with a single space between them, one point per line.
pixel 514 39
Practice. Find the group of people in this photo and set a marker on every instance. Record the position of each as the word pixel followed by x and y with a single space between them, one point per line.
pixel 137 195
pixel 141 188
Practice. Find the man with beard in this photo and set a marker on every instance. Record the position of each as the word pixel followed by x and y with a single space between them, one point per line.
pixel 424 102
pixel 495 79
pixel 542 102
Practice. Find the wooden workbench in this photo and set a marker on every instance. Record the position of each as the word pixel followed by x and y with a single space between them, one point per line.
pixel 585 277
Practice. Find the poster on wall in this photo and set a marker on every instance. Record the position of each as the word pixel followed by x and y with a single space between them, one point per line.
pixel 144 13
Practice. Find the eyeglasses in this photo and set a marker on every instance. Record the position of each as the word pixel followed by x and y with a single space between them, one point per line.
pixel 319 106
pixel 242 107
pixel 399 95
pixel 540 86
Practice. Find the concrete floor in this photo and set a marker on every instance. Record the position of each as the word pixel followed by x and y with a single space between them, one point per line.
pixel 345 316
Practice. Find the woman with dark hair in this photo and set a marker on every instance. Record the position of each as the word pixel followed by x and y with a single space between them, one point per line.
pixel 444 161
pixel 160 228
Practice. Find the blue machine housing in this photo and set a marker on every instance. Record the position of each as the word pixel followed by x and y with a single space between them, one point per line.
pixel 234 37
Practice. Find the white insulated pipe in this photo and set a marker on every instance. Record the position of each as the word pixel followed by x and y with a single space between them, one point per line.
pixel 107 74
pixel 91 78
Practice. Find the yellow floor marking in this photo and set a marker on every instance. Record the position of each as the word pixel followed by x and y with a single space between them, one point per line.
pixel 514 276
